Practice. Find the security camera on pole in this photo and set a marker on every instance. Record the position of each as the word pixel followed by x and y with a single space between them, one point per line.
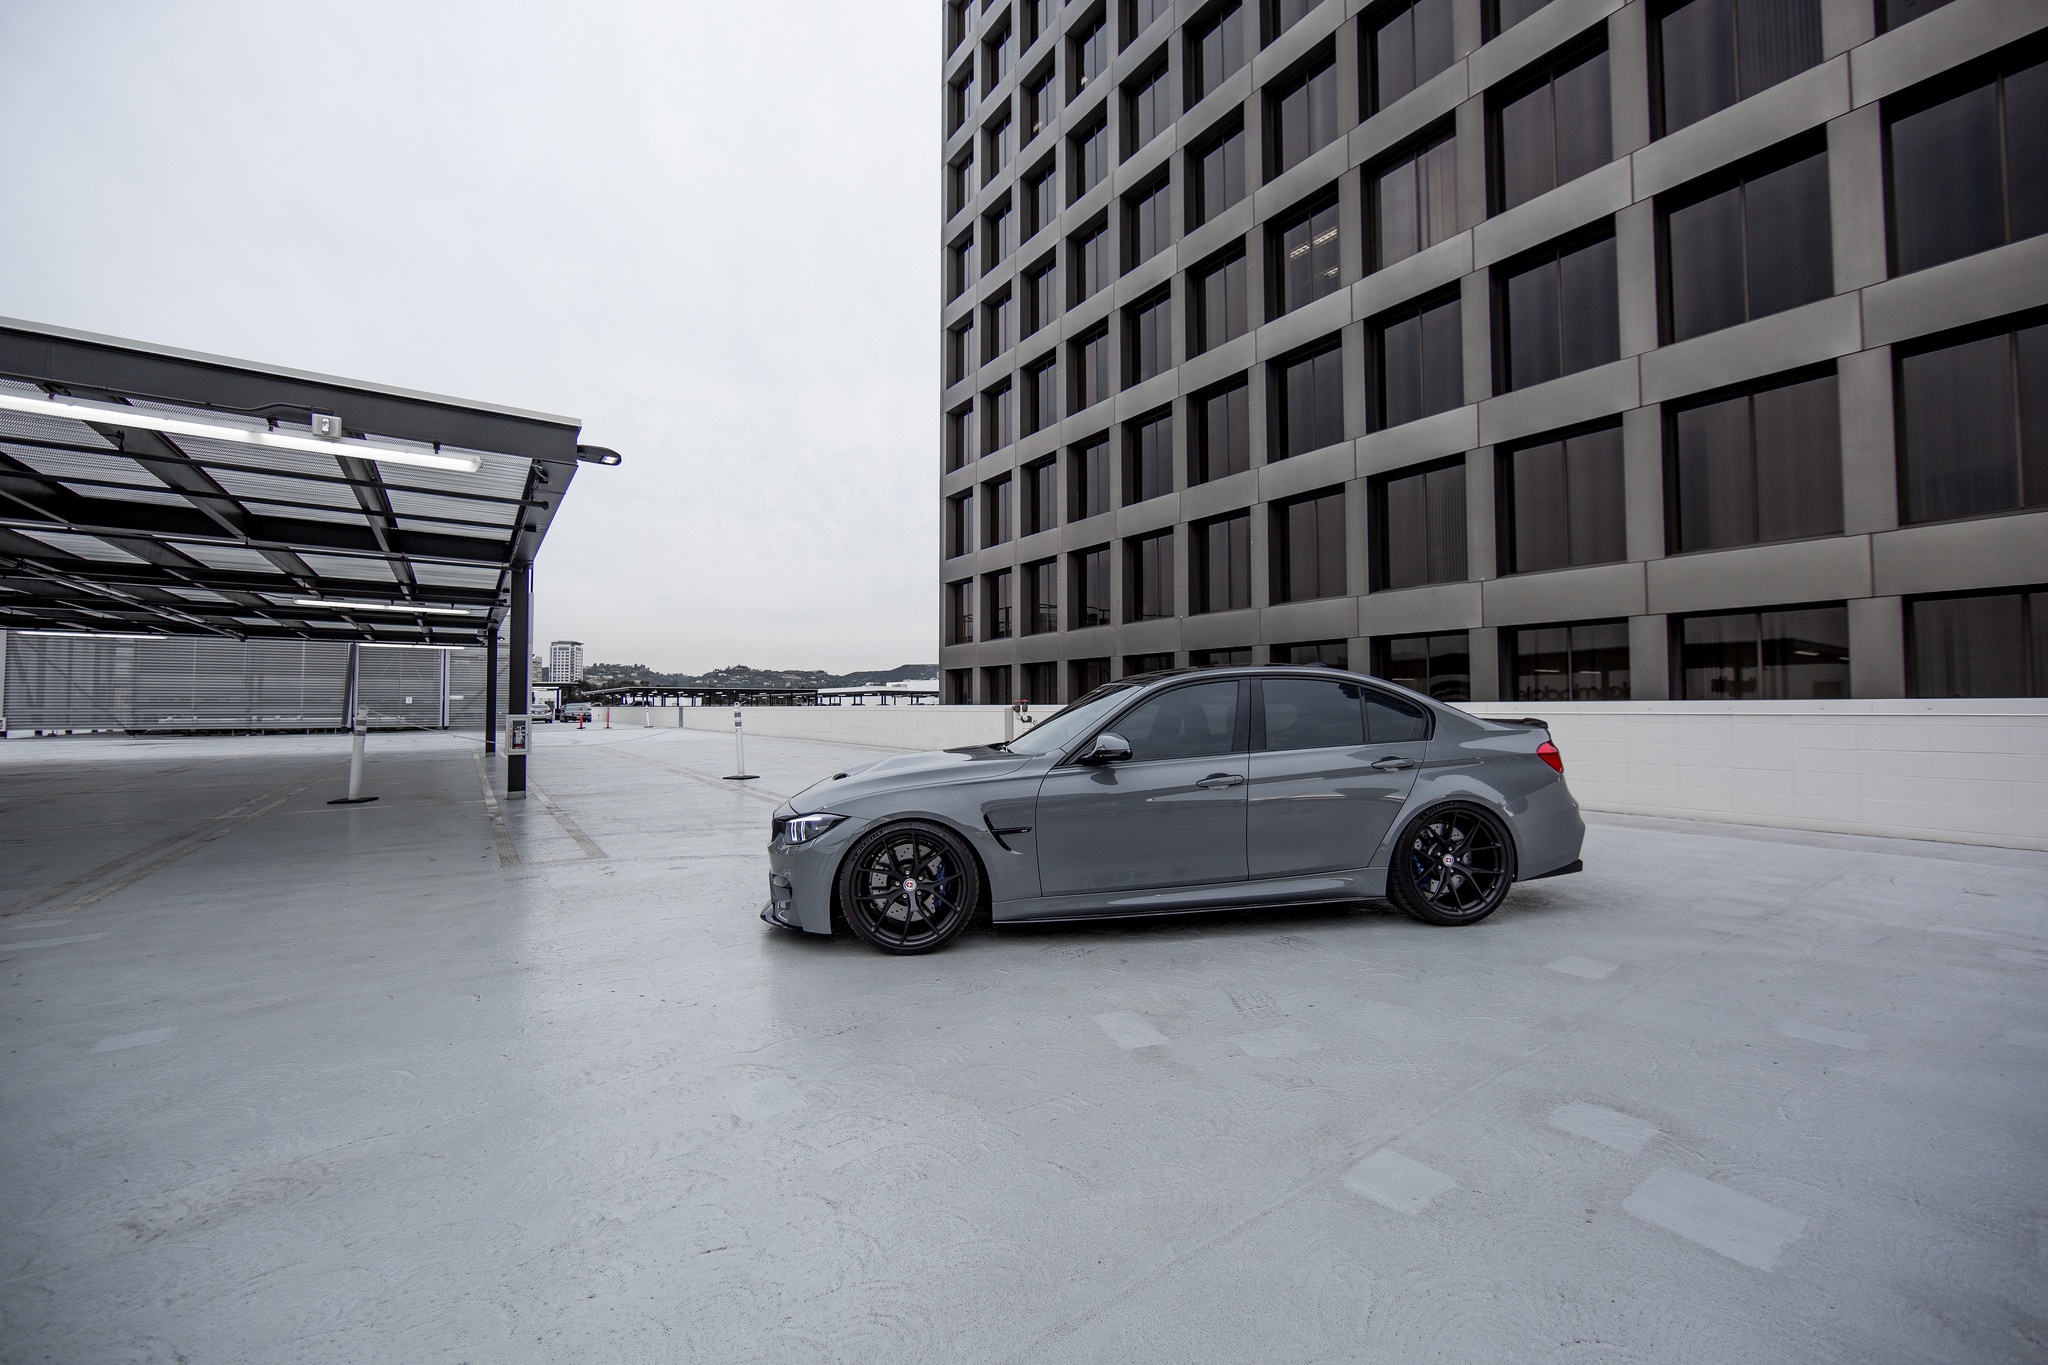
pixel 739 750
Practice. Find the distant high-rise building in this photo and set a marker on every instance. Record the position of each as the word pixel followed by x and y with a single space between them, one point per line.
pixel 565 661
pixel 1512 350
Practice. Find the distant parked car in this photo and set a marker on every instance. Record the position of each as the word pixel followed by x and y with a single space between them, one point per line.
pixel 1190 790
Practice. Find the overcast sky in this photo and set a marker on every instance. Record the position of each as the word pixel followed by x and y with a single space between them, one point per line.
pixel 706 228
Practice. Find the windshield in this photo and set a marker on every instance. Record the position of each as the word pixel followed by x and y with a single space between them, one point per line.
pixel 1062 728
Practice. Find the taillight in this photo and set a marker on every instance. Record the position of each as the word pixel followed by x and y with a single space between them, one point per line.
pixel 1549 754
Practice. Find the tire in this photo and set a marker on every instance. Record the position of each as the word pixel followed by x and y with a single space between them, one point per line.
pixel 1453 865
pixel 932 912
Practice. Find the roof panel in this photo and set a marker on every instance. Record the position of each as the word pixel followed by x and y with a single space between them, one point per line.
pixel 455 576
pixel 238 557
pixel 85 547
pixel 71 464
pixel 348 566
pixel 463 509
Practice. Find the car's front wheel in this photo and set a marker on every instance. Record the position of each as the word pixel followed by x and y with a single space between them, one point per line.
pixel 1454 865
pixel 909 887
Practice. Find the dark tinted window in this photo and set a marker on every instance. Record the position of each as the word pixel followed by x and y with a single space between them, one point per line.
pixel 1222 309
pixel 1088 479
pixel 998 417
pixel 1148 454
pixel 1042 395
pixel 1306 257
pixel 1041 496
pixel 1311 402
pixel 1974 423
pixel 1000 586
pixel 1329 653
pixel 1502 15
pixel 1565 505
pixel 1994 645
pixel 1799 655
pixel 1750 248
pixel 1042 601
pixel 1041 297
pixel 1415 199
pixel 1438 666
pixel 1282 15
pixel 1966 167
pixel 1148 108
pixel 1091 588
pixel 1215 51
pixel 1391 720
pixel 1304 119
pixel 1090 157
pixel 1895 12
pixel 1410 44
pixel 1218 177
pixel 960 611
pixel 1146 229
pixel 1421 520
pixel 998 497
pixel 1418 363
pixel 1560 313
pixel 1041 199
pixel 1150 339
pixel 1222 433
pixel 1554 130
pixel 1759 466
pixel 1088 52
pixel 959 524
pixel 1185 722
pixel 1572 663
pixel 1085 675
pixel 1220 566
pixel 1308 548
pixel 1313 713
pixel 1148 594
pixel 1715 52
pixel 1090 370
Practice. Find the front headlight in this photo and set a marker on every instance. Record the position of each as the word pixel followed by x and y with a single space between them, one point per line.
pixel 801 829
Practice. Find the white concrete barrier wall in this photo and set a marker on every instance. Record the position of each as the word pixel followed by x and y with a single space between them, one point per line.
pixel 1973 772
pixel 1970 772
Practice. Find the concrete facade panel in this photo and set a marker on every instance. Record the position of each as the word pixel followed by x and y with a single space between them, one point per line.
pixel 1761 575
pixel 1976 288
pixel 1765 119
pixel 1950 36
pixel 1431 438
pixel 1954 556
pixel 1752 350
pixel 1410 611
pixel 1564 595
pixel 1582 397
pixel 1569 207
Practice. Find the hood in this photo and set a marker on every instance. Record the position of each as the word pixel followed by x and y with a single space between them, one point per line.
pixel 903 772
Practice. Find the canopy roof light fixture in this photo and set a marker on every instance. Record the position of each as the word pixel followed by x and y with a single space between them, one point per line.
pixel 121 415
pixel 89 635
pixel 408 608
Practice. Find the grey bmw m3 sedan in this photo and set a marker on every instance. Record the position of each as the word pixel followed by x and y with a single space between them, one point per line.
pixel 1184 791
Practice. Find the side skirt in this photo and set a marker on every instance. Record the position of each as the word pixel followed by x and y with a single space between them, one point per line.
pixel 1325 888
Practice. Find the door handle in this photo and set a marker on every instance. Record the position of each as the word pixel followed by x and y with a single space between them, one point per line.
pixel 1222 780
pixel 1391 764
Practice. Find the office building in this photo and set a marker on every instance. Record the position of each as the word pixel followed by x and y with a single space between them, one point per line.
pixel 1508 349
pixel 565 661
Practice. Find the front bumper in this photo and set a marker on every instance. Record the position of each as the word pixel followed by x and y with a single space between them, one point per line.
pixel 800 878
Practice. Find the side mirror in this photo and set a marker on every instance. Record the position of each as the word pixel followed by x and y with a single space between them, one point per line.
pixel 1107 748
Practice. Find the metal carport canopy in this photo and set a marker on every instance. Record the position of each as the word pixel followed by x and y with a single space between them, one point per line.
pixel 130 521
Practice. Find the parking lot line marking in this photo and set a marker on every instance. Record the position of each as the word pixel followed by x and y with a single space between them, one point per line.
pixel 1717 1217
pixel 51 942
pixel 1814 1033
pixel 501 833
pixel 1608 1127
pixel 1277 1042
pixel 121 1041
pixel 1129 1031
pixel 1590 968
pixel 765 1099
pixel 1398 1182
pixel 574 831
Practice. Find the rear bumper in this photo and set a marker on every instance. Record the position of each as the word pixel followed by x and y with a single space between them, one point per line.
pixel 1575 865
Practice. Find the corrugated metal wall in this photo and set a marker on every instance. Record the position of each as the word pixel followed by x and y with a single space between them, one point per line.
pixel 196 683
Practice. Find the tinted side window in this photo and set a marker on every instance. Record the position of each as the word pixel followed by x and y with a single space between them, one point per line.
pixel 1392 720
pixel 1313 713
pixel 1188 722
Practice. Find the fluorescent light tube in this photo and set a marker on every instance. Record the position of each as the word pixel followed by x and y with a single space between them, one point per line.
pixel 89 635
pixel 404 607
pixel 121 415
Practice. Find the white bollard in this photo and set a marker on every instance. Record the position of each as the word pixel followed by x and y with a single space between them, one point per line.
pixel 739 750
pixel 355 795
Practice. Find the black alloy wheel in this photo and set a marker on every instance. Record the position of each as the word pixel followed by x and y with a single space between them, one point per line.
pixel 909 888
pixel 1453 866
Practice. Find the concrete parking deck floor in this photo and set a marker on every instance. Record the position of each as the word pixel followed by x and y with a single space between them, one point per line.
pixel 418 1081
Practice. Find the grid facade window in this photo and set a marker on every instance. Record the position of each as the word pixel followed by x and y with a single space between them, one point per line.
pixel 960 184
pixel 998 146
pixel 999 511
pixel 1088 53
pixel 1328 653
pixel 1981 645
pixel 1746 245
pixel 1221 303
pixel 1215 51
pixel 959 19
pixel 1552 130
pixel 1309 398
pixel 1041 102
pixel 1148 225
pixel 1041 295
pixel 998 417
pixel 1041 683
pixel 1786 655
pixel 959 101
pixel 1135 664
pixel 1303 117
pixel 1759 466
pixel 1090 577
pixel 1498 16
pixel 1041 495
pixel 1001 587
pixel 1216 174
pixel 1563 503
pixel 1041 198
pixel 999 325
pixel 1042 599
pixel 1280 15
pixel 1712 53
pixel 1148 108
pixel 998 54
pixel 1148 339
pixel 1973 423
pixel 1148 458
pixel 1407 44
pixel 960 356
pixel 1415 198
pixel 1308 548
pixel 1088 479
pixel 999 230
pixel 1306 255
pixel 1032 16
pixel 996 687
pixel 1966 163
pixel 1090 356
pixel 1221 439
pixel 1140 15
pixel 1418 519
pixel 1240 657
pixel 1418 360
pixel 1087 262
pixel 1438 665
pixel 1148 593
pixel 959 687
pixel 960 449
pixel 959 266
pixel 960 525
pixel 1042 394
pixel 960 612
pixel 1085 675
pixel 1588 662
pixel 1220 564
pixel 1088 154
pixel 1559 312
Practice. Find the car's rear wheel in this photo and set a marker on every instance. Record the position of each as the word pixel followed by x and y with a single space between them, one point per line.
pixel 909 887
pixel 1454 865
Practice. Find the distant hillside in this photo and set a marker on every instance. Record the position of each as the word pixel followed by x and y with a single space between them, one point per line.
pixel 743 675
